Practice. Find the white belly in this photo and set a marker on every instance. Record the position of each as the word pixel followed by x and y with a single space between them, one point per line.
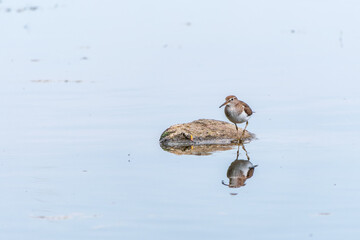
pixel 234 115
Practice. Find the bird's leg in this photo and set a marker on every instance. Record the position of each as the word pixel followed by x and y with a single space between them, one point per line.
pixel 237 132
pixel 237 154
pixel 243 133
pixel 243 147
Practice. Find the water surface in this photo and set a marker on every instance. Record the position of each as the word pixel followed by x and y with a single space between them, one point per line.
pixel 87 88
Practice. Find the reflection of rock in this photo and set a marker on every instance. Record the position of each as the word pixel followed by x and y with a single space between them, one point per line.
pixel 197 149
pixel 200 132
pixel 238 172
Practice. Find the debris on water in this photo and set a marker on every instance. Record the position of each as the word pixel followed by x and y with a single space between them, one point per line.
pixel 23 9
pixel 59 81
pixel 65 217
pixel 341 39
pixel 33 8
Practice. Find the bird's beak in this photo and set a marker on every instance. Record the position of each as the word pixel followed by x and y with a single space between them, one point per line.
pixel 223 104
pixel 223 182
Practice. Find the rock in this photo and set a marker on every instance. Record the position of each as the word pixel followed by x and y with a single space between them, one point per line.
pixel 201 132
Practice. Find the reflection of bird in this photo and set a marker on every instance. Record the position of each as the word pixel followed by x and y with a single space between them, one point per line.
pixel 238 172
pixel 237 112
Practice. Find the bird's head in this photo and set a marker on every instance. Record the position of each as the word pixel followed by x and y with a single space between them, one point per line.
pixel 229 100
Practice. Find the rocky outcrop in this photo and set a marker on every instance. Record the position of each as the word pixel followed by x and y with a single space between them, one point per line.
pixel 201 132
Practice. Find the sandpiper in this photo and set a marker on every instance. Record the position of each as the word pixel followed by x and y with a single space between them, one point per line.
pixel 240 170
pixel 237 112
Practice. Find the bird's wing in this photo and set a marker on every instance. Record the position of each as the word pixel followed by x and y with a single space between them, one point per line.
pixel 250 173
pixel 247 108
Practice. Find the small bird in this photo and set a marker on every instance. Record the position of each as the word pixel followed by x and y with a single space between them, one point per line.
pixel 237 112
pixel 238 172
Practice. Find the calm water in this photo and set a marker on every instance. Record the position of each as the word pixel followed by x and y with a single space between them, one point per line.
pixel 87 88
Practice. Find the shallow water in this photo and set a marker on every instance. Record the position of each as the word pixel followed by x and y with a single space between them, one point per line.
pixel 87 89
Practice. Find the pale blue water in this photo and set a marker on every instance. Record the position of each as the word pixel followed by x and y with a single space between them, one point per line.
pixel 88 87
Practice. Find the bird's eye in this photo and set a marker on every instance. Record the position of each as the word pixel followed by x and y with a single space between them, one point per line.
pixel 231 99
